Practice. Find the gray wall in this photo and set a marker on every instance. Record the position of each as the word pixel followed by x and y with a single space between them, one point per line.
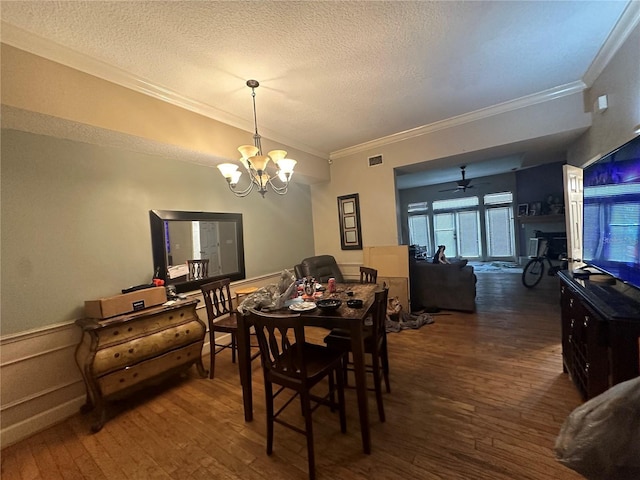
pixel 75 223
pixel 534 185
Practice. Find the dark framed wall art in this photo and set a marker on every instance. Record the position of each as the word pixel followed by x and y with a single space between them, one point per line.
pixel 349 219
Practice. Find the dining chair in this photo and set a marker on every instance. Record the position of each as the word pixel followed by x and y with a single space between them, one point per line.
pixel 368 275
pixel 198 269
pixel 375 344
pixel 297 366
pixel 222 318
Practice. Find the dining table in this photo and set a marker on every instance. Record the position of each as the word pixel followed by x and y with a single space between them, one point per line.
pixel 351 319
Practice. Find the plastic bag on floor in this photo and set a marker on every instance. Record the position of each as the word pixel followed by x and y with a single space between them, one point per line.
pixel 601 438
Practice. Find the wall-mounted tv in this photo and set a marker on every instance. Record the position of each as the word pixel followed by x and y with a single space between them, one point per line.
pixel 611 218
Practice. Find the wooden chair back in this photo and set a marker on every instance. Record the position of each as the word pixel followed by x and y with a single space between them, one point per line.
pixel 379 315
pixel 277 336
pixel 368 275
pixel 217 298
pixel 198 269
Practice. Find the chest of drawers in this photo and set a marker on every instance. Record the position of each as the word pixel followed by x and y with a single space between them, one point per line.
pixel 121 354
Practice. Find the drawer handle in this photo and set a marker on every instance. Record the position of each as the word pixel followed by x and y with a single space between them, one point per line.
pixel 179 358
pixel 177 335
pixel 170 317
pixel 116 355
pixel 187 332
pixel 571 302
pixel 130 329
pixel 122 380
pixel 182 314
pixel 131 350
pixel 115 333
pixel 586 321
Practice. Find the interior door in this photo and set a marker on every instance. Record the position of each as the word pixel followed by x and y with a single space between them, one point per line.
pixel 573 180
pixel 210 246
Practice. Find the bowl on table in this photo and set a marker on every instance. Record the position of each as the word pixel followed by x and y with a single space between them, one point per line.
pixel 328 304
pixel 354 303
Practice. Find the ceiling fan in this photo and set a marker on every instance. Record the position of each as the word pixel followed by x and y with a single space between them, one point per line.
pixel 463 184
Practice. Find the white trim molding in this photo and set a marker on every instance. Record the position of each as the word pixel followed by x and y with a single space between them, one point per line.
pixel 628 21
pixel 37 45
pixel 523 102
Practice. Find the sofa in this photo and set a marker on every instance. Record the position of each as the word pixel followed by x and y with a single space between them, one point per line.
pixel 442 286
pixel 320 267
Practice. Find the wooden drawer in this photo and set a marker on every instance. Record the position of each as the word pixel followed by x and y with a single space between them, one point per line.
pixel 143 325
pixel 135 374
pixel 140 348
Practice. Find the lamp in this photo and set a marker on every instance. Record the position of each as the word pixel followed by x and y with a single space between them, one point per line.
pixel 256 164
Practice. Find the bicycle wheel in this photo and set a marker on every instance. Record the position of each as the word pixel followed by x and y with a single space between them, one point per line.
pixel 533 272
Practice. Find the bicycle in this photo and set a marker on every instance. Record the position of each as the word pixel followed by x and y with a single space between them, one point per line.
pixel 534 269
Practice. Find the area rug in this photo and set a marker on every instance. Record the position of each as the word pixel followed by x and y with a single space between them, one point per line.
pixel 491 267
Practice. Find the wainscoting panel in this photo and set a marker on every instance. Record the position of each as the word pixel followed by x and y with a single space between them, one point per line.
pixel 41 384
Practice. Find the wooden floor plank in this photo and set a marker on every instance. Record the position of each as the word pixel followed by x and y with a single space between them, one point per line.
pixel 474 396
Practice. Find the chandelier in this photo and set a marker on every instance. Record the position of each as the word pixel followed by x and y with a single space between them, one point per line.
pixel 256 164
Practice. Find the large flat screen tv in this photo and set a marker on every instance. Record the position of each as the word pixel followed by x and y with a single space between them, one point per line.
pixel 611 219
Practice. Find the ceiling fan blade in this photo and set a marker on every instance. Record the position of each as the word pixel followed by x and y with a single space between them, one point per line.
pixel 451 189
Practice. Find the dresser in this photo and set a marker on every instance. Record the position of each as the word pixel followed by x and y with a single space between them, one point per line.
pixel 600 332
pixel 121 354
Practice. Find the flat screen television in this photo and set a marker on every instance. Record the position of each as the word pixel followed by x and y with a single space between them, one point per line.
pixel 611 215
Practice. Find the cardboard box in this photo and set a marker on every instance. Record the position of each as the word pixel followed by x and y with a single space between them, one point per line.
pixel 125 303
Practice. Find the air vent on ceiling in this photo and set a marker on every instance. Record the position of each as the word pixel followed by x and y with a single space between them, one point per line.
pixel 376 160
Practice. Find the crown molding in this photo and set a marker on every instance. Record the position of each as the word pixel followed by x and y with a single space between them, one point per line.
pixel 629 19
pixel 32 43
pixel 511 105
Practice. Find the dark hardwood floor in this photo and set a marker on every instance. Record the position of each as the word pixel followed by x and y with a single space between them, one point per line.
pixel 474 396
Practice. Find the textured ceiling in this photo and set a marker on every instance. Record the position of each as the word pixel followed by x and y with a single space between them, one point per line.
pixel 333 74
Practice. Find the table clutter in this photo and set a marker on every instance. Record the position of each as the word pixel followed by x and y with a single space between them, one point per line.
pixel 300 295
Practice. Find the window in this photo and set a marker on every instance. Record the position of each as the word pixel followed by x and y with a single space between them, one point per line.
pixel 500 237
pixel 459 232
pixel 419 230
pixel 455 203
pixel 419 225
pixel 499 225
pixel 498 198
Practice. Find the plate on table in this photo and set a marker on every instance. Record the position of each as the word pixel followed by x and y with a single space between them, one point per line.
pixel 302 306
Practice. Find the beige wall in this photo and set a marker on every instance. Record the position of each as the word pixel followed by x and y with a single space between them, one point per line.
pixel 376 185
pixel 620 81
pixel 34 84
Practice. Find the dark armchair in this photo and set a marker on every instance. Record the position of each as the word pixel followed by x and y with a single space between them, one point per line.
pixel 320 267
